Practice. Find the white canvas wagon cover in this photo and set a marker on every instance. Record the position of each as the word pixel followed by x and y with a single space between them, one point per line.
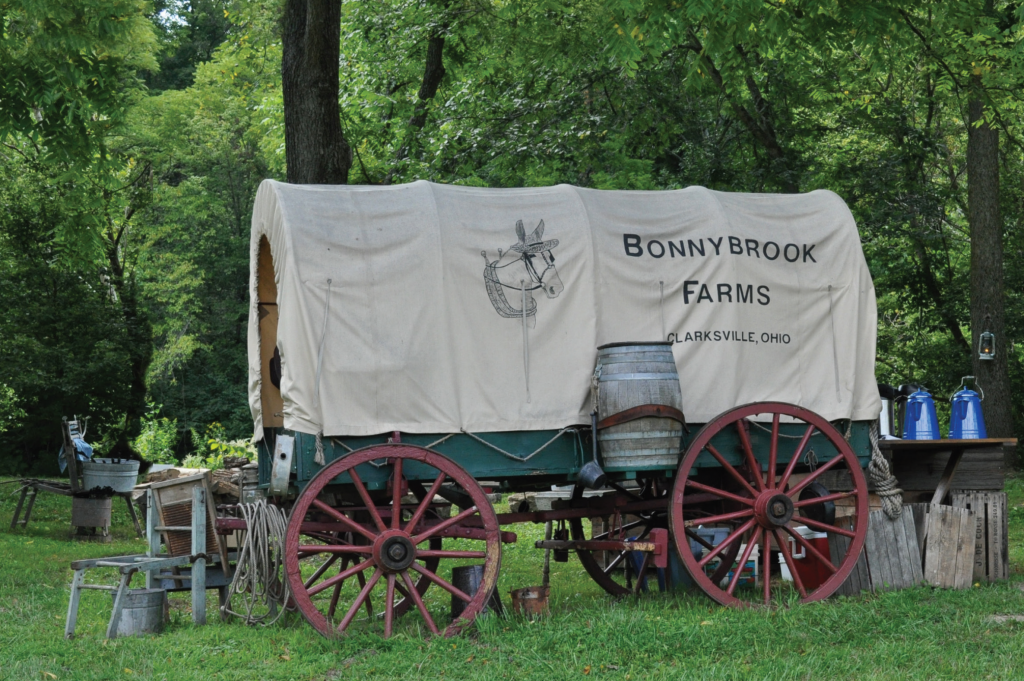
pixel 429 308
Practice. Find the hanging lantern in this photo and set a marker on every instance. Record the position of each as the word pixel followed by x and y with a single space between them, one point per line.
pixel 987 346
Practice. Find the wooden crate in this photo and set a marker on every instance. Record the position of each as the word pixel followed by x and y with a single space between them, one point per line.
pixel 991 551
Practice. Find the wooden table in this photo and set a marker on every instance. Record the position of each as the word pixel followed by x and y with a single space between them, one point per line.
pixel 956 449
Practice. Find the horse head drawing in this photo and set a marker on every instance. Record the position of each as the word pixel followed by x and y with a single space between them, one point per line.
pixel 526 266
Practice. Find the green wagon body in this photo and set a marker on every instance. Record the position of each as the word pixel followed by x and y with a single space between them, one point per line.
pixel 558 463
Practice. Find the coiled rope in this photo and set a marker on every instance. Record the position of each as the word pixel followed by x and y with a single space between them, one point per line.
pixel 885 481
pixel 259 576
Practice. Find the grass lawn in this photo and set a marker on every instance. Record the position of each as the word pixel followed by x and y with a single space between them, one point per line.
pixel 921 633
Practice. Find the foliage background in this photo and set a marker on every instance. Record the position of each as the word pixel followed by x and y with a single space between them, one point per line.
pixel 125 202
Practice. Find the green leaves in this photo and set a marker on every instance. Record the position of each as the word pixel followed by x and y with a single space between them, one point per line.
pixel 69 70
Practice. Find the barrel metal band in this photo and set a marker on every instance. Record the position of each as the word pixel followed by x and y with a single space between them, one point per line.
pixel 643 411
pixel 640 436
pixel 638 377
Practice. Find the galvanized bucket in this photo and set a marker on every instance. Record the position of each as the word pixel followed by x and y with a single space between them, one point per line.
pixel 630 376
pixel 143 612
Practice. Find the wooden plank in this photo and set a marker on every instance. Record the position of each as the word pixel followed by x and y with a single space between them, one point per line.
pixel 933 532
pixel 838 545
pixel 979 469
pixel 966 541
pixel 920 515
pixel 878 559
pixel 1002 570
pixel 901 544
pixel 914 552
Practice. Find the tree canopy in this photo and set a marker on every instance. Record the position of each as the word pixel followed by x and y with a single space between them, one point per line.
pixel 134 138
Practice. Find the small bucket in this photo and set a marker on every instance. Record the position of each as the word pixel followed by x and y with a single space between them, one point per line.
pixel 143 612
pixel 531 602
pixel 101 473
pixel 467 579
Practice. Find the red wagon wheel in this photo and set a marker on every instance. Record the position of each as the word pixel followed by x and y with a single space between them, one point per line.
pixel 383 550
pixel 758 504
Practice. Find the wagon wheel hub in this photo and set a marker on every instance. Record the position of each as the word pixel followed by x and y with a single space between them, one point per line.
pixel 773 509
pixel 394 551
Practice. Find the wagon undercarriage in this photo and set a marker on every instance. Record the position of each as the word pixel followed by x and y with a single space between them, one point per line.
pixel 377 527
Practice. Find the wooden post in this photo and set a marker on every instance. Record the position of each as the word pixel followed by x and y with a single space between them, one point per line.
pixel 17 509
pixel 70 457
pixel 76 596
pixel 152 535
pixel 199 552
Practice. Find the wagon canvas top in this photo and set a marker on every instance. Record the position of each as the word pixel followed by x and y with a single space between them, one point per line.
pixel 429 308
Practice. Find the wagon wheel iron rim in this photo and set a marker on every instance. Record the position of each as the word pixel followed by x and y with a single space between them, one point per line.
pixel 763 506
pixel 386 553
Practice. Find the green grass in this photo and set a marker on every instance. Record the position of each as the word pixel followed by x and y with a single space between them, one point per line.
pixel 920 633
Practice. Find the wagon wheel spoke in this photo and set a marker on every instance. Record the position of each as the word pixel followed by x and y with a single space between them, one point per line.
pixel 824 527
pixel 429 553
pixel 389 606
pixel 340 577
pixel 730 469
pixel 773 452
pixel 322 569
pixel 364 594
pixel 813 476
pixel 425 502
pixel 450 588
pixel 821 500
pixel 366 598
pixel 748 452
pixel 752 541
pixel 418 600
pixel 721 493
pixel 795 459
pixel 337 549
pixel 766 567
pixel 343 519
pixel 810 549
pixel 788 556
pixel 724 517
pixel 423 536
pixel 337 591
pixel 396 510
pixel 726 543
pixel 365 496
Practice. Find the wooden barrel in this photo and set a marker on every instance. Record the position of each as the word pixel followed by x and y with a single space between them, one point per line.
pixel 638 386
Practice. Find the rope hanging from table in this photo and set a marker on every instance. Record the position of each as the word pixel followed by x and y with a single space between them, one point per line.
pixel 259 575
pixel 885 481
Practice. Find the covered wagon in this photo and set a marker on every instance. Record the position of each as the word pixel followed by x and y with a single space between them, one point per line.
pixel 704 358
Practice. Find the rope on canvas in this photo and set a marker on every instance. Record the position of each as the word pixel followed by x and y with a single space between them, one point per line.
pixel 259 575
pixel 885 481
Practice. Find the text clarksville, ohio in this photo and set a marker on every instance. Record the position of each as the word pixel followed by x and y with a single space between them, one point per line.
pixel 731 245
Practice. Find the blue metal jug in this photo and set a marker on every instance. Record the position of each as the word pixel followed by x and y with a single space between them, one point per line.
pixel 920 421
pixel 966 421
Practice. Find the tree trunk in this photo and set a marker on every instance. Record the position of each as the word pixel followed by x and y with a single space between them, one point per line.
pixel 315 147
pixel 987 265
pixel 433 74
